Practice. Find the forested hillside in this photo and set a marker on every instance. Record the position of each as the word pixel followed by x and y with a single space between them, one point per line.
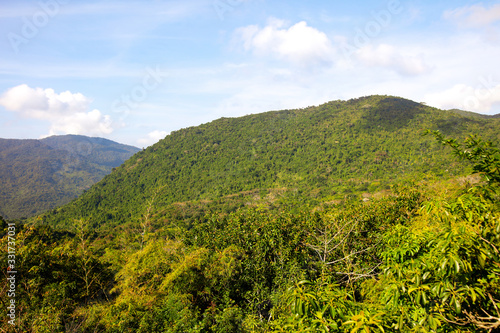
pixel 37 175
pixel 377 214
pixel 330 152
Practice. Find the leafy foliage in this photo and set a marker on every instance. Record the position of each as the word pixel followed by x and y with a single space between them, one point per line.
pixel 54 278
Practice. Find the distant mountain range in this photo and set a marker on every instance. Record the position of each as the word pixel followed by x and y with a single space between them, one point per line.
pixel 38 175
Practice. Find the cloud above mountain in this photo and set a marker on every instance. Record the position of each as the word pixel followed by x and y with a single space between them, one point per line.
pixel 388 56
pixel 152 137
pixel 66 112
pixel 478 99
pixel 305 46
pixel 298 44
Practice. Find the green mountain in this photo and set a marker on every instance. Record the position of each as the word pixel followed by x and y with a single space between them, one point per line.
pixel 324 153
pixel 342 217
pixel 38 175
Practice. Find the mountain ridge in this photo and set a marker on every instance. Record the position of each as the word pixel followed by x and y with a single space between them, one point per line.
pixel 38 175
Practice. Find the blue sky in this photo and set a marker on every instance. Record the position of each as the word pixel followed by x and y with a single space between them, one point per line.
pixel 133 71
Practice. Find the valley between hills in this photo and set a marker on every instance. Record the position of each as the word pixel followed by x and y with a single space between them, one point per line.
pixel 38 175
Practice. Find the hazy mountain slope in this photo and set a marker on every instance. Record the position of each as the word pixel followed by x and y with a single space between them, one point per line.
pixel 95 150
pixel 331 151
pixel 37 175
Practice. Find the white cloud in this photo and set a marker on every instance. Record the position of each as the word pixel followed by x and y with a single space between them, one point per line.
pixel 66 112
pixel 152 138
pixel 388 56
pixel 299 44
pixel 474 16
pixel 307 46
pixel 481 99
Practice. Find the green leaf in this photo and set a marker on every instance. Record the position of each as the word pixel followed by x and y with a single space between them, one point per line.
pixel 458 306
pixel 457 266
pixel 482 259
pixel 443 263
